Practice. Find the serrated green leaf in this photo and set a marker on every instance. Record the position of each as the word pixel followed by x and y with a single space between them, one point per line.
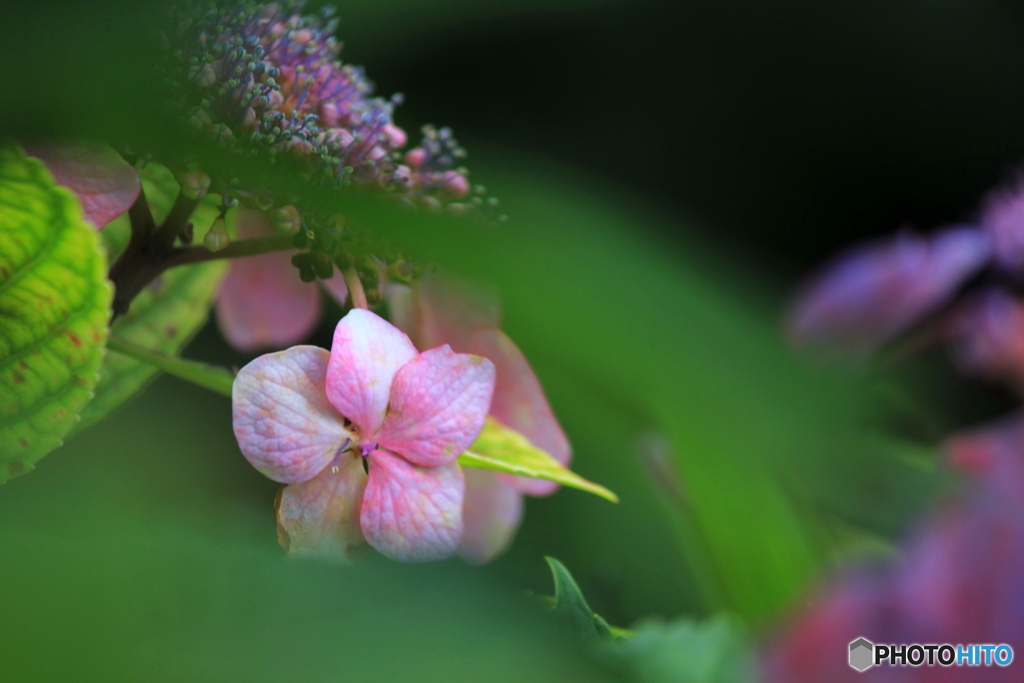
pixel 165 315
pixel 502 449
pixel 54 307
pixel 572 606
pixel 568 595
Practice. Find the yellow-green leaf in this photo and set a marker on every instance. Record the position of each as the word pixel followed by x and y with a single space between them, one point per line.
pixel 501 449
pixel 54 308
pixel 166 314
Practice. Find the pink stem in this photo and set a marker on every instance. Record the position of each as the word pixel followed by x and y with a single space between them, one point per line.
pixel 355 288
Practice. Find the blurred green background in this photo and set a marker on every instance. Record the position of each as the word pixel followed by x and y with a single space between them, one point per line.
pixel 670 170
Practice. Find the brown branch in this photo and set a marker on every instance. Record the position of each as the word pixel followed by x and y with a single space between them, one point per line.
pixel 151 250
pixel 255 246
pixel 176 221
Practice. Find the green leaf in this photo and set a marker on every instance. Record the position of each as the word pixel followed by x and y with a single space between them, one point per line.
pixel 168 313
pixel 683 651
pixel 501 449
pixel 217 379
pixel 54 307
pixel 570 604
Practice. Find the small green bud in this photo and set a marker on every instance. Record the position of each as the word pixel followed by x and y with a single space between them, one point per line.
pixel 194 184
pixel 287 219
pixel 217 236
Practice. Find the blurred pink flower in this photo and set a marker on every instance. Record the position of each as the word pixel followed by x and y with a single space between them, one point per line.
pixel 313 420
pixel 872 293
pixel 440 310
pixel 961 581
pixel 262 303
pixel 1002 217
pixel 106 184
pixel 987 336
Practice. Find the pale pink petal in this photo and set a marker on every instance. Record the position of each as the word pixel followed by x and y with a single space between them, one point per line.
pixel 105 183
pixel 283 421
pixel 336 287
pixel 519 403
pixel 320 517
pixel 447 309
pixel 439 401
pixel 366 353
pixel 410 513
pixel 262 302
pixel 491 512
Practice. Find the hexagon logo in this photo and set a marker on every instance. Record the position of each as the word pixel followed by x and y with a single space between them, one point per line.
pixel 862 654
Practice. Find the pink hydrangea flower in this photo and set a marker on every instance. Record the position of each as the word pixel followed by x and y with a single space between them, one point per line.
pixel 439 310
pixel 366 436
pixel 262 303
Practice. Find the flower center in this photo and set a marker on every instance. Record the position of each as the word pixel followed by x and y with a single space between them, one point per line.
pixel 337 455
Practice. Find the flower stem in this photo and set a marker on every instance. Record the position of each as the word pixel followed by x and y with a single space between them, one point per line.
pixel 355 288
pixel 209 377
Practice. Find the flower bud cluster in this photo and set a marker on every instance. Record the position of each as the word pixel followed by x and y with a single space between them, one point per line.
pixel 268 81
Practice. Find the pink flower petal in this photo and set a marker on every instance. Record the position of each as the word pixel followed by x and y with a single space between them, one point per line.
pixel 439 401
pixel 283 421
pixel 519 403
pixel 491 512
pixel 412 514
pixel 447 310
pixel 262 302
pixel 336 287
pixel 366 353
pixel 320 517
pixel 105 183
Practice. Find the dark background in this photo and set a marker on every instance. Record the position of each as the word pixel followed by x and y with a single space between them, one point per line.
pixel 786 129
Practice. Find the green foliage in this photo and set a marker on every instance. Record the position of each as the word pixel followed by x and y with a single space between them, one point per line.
pixel 502 449
pixel 54 307
pixel 570 605
pixel 168 313
pixel 212 377
pixel 684 651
